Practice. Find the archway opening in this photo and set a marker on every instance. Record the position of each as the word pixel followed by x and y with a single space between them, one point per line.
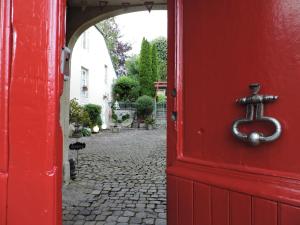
pixel 120 174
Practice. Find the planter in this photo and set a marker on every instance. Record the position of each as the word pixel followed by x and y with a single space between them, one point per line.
pixel 115 129
pixel 149 127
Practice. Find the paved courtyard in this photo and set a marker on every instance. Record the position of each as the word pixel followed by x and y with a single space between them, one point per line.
pixel 121 180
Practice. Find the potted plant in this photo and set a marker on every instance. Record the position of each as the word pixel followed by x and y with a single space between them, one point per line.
pixel 116 126
pixel 149 122
pixel 145 107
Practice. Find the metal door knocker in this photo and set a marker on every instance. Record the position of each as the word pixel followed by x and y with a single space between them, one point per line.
pixel 255 103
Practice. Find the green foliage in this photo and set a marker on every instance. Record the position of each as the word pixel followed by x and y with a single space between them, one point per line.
pixel 161 98
pixel 144 106
pixel 149 120
pixel 86 132
pixel 133 66
pixel 94 112
pixel 78 115
pixel 154 64
pixel 162 54
pixel 162 71
pixel 162 48
pixel 145 76
pixel 126 89
pixel 117 48
pixel 114 117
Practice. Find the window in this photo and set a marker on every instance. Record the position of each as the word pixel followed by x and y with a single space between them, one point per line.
pixel 85 41
pixel 105 74
pixel 84 84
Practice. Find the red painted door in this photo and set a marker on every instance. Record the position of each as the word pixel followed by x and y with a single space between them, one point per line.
pixel 31 38
pixel 217 48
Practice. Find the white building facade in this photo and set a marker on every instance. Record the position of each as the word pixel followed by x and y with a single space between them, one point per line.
pixel 92 72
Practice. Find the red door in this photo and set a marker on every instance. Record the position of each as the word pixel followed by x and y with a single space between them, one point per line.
pixel 215 178
pixel 31 38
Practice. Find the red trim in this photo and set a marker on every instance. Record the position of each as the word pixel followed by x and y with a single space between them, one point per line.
pixel 161 85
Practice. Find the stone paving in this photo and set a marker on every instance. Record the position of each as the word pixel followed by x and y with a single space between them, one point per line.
pixel 121 180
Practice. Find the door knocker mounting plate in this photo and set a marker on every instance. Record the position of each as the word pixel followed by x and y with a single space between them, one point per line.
pixel 255 112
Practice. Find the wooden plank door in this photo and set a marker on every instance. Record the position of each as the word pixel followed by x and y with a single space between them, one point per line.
pixel 216 49
pixel 32 34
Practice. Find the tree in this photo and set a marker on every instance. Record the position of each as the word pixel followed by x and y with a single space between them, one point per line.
pixel 117 48
pixel 162 48
pixel 126 89
pixel 162 54
pixel 154 64
pixel 145 76
pixel 133 66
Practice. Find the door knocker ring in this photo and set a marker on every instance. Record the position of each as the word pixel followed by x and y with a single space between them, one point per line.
pixel 255 112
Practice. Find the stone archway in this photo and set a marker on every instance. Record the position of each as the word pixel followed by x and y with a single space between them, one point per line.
pixel 81 14
pixel 78 19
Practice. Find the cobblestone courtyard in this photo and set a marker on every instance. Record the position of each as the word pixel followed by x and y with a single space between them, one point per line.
pixel 121 180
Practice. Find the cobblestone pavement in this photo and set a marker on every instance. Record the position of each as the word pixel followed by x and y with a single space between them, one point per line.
pixel 121 180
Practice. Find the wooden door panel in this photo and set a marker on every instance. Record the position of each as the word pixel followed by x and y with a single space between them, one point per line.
pixel 289 215
pixel 264 212
pixel 3 198
pixel 220 206
pixel 202 204
pixel 240 209
pixel 185 202
pixel 233 45
pixel 172 198
pixel 220 48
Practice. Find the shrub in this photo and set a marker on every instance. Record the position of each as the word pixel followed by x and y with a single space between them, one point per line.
pixel 161 98
pixel 78 115
pixel 144 106
pixel 86 132
pixel 149 120
pixel 125 117
pixel 126 89
pixel 94 112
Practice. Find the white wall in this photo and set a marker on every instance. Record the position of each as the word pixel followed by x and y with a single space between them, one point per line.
pixel 94 58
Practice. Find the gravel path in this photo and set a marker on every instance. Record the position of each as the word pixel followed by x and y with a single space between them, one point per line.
pixel 121 180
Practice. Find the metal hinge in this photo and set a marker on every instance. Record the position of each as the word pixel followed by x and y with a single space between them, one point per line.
pixel 174 116
pixel 65 63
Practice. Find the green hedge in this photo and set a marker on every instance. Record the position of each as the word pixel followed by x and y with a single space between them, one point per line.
pixel 126 89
